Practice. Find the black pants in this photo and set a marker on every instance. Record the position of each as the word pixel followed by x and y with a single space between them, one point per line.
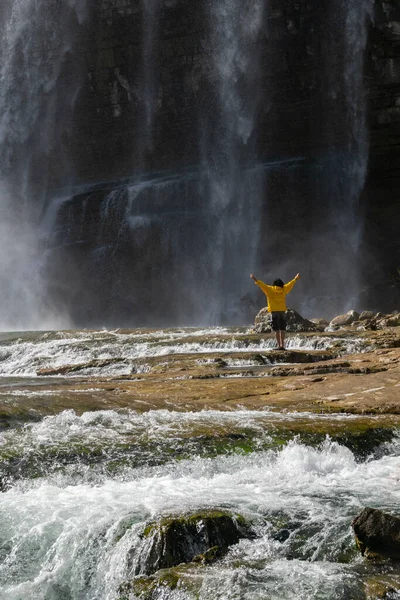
pixel 278 321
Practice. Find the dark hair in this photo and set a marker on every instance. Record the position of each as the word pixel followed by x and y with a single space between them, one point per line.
pixel 279 282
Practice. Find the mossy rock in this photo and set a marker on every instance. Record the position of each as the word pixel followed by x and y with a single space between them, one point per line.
pixel 175 540
pixel 151 587
pixel 146 587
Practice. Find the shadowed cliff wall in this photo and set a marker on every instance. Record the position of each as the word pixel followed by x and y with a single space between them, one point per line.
pixel 149 99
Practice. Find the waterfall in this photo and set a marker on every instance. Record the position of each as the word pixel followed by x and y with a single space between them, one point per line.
pixel 194 235
pixel 151 22
pixel 336 247
pixel 228 147
pixel 39 84
pixel 358 15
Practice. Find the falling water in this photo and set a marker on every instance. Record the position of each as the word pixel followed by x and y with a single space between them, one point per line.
pixel 358 16
pixel 151 61
pixel 344 169
pixel 234 192
pixel 36 46
pixel 197 239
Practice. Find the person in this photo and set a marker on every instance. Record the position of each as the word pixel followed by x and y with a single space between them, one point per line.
pixel 276 298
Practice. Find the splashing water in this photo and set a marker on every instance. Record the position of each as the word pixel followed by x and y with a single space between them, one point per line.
pixel 23 354
pixel 82 538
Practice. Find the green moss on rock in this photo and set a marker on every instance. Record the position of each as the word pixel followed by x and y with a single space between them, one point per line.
pixel 175 540
pixel 187 577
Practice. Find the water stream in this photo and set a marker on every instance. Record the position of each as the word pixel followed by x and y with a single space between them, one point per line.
pixel 75 532
pixel 77 489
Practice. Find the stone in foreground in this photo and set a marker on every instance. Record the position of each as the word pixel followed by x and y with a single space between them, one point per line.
pixel 182 539
pixel 377 534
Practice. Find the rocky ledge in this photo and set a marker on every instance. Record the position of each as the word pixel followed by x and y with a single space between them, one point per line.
pixel 343 370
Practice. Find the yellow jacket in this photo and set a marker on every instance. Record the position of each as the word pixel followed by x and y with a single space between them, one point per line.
pixel 276 296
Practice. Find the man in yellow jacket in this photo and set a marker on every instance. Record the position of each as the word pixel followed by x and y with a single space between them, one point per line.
pixel 276 298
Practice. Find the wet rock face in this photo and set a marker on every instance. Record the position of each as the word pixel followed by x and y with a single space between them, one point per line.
pixel 148 84
pixel 377 534
pixel 200 537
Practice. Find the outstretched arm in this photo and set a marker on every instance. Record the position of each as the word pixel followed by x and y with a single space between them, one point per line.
pixel 263 286
pixel 288 286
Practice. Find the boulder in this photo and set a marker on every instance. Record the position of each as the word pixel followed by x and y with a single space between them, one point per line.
pixel 262 322
pixel 321 324
pixel 295 322
pixel 377 534
pixel 366 315
pixel 203 535
pixel 347 319
pixel 388 321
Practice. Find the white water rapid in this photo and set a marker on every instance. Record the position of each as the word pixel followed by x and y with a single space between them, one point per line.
pixel 24 354
pixel 79 485
pixel 76 532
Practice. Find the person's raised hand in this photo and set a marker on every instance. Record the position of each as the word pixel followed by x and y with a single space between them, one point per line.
pixel 297 276
pixel 252 277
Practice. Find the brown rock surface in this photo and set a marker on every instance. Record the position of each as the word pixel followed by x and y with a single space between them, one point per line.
pixel 366 382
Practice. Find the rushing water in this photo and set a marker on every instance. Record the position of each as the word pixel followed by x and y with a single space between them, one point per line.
pixel 23 354
pixel 77 490
pixel 75 531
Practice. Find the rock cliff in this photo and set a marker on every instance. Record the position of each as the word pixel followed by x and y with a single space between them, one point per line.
pixel 322 148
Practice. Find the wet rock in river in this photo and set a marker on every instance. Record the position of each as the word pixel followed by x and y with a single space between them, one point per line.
pixel 382 587
pixel 203 536
pixel 159 585
pixel 377 534
pixel 66 369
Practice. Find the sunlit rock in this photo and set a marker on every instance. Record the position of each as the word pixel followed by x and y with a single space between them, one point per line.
pixel 388 321
pixel 262 322
pixel 321 324
pixel 295 322
pixel 366 315
pixel 346 319
pixel 377 534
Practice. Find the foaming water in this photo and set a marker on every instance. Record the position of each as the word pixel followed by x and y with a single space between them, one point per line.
pixel 82 540
pixel 25 353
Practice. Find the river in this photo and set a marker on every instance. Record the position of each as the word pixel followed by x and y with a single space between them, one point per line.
pixel 79 487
